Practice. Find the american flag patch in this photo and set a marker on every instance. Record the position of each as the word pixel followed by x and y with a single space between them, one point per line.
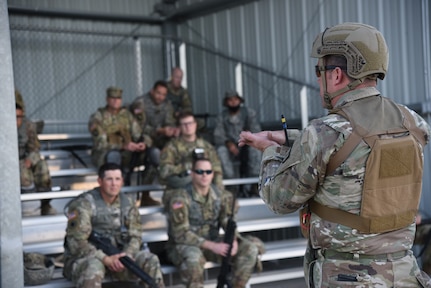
pixel 71 215
pixel 177 205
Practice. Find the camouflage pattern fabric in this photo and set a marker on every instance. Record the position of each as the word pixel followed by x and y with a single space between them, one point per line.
pixel 177 157
pixel 28 144
pixel 228 127
pixel 151 117
pixel 193 219
pixel 421 237
pixel 111 131
pixel 290 177
pixel 82 261
pixel 179 99
pixel 38 269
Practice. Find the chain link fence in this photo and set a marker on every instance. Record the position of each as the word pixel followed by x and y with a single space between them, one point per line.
pixel 63 72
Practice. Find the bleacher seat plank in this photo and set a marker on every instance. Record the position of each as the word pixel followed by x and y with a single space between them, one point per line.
pixel 63 136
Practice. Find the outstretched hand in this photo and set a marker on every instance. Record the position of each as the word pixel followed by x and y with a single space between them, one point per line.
pixel 261 140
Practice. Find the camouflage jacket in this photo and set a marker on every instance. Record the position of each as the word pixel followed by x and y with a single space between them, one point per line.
pixel 112 131
pixel 179 98
pixel 290 177
pixel 119 222
pixel 28 143
pixel 151 116
pixel 228 127
pixel 177 157
pixel 194 218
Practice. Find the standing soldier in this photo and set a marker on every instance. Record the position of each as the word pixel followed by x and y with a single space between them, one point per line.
pixel 34 172
pixel 195 214
pixel 176 158
pixel 118 138
pixel 358 170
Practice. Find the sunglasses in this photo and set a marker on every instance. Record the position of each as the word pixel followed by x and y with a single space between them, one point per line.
pixel 201 172
pixel 320 69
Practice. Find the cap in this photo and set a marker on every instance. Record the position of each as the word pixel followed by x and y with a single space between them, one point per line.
pixel 114 92
pixel 18 99
pixel 231 93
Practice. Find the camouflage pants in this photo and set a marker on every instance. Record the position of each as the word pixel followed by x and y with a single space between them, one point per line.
pixel 37 175
pixel 190 260
pixel 89 272
pixel 252 160
pixel 422 233
pixel 366 273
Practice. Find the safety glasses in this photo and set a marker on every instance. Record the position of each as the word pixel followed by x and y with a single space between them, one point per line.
pixel 201 172
pixel 320 69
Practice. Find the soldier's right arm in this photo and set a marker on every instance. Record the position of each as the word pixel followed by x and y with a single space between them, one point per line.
pixel 79 228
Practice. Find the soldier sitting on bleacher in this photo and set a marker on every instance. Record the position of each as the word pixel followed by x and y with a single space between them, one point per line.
pixel 34 172
pixel 118 138
pixel 195 214
pixel 176 158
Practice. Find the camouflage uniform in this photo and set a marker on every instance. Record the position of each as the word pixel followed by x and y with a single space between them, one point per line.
pixel 37 176
pixel 423 239
pixel 179 99
pixel 176 161
pixel 193 219
pixel 151 117
pixel 111 131
pixel 289 178
pixel 119 222
pixel 228 127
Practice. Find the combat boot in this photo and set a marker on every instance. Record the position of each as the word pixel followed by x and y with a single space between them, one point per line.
pixel 146 200
pixel 46 208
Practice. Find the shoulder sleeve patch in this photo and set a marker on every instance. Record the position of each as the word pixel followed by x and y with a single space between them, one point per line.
pixel 72 215
pixel 177 205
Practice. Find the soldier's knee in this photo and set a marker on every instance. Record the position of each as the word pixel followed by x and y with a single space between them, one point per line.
pixel 153 156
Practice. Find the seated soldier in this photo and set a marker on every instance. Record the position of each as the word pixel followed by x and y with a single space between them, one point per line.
pixel 237 117
pixel 176 159
pixel 177 94
pixel 118 138
pixel 112 215
pixel 34 172
pixel 195 214
pixel 155 114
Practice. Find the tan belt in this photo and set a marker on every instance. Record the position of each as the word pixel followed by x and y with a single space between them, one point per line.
pixel 336 255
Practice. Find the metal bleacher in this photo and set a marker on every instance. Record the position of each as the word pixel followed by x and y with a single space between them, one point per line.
pixel 45 234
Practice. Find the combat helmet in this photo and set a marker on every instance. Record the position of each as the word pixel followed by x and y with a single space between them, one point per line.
pixel 38 269
pixel 363 46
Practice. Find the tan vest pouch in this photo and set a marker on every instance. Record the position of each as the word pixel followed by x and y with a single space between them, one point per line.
pixel 393 183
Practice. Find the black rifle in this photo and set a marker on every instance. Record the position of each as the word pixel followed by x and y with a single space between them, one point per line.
pixel 224 278
pixel 134 161
pixel 105 245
